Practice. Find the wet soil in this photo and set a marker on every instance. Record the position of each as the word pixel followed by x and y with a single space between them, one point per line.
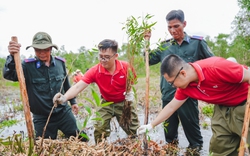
pixel 10 95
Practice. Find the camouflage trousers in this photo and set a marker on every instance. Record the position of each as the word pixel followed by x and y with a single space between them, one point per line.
pixel 107 113
pixel 226 126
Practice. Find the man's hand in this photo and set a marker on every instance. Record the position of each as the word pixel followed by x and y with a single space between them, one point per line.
pixel 129 96
pixel 74 109
pixel 14 47
pixel 59 98
pixel 144 128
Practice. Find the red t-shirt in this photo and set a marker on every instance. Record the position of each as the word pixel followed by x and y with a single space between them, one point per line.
pixel 219 83
pixel 111 87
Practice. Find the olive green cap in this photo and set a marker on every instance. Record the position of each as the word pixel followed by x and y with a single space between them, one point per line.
pixel 42 40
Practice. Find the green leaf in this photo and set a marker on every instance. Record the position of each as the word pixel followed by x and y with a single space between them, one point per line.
pixel 98 119
pixel 88 109
pixel 166 124
pixel 96 97
pixel 97 113
pixel 6 142
pixel 106 104
pixel 85 122
pixel 91 101
pixel 80 104
pixel 84 135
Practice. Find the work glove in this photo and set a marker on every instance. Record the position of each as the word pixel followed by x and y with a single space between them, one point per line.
pixel 144 128
pixel 59 98
pixel 129 96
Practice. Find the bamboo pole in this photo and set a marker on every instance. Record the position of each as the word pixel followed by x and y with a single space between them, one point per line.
pixel 245 126
pixel 24 97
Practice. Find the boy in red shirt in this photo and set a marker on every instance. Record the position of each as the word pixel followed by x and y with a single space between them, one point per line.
pixel 214 80
pixel 110 75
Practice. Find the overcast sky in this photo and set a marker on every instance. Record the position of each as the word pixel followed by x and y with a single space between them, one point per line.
pixel 76 23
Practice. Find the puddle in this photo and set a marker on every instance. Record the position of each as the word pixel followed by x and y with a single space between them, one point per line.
pixel 20 127
pixel 5 108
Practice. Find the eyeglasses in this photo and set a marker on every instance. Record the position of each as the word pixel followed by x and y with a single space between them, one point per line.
pixel 171 83
pixel 106 58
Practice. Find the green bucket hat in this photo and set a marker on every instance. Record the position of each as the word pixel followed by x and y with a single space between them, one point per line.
pixel 42 40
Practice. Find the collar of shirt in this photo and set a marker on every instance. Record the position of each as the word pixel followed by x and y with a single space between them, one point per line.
pixel 185 39
pixel 118 64
pixel 39 63
pixel 198 70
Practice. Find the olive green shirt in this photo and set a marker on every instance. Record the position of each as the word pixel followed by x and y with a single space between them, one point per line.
pixel 42 82
pixel 191 49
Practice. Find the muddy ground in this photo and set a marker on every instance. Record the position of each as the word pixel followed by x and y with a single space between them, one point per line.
pixel 10 95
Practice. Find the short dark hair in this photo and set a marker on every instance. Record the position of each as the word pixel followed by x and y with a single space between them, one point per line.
pixel 107 43
pixel 171 64
pixel 175 14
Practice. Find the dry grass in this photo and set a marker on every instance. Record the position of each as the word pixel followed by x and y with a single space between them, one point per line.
pixel 130 146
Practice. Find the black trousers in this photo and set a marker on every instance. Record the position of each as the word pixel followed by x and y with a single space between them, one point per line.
pixel 64 121
pixel 188 115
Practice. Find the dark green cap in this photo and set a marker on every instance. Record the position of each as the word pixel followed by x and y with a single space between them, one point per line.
pixel 42 40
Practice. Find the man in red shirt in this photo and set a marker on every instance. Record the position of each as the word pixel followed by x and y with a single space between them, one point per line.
pixel 214 80
pixel 110 75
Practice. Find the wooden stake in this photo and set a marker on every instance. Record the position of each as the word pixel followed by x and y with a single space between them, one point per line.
pixel 147 81
pixel 24 97
pixel 145 143
pixel 245 126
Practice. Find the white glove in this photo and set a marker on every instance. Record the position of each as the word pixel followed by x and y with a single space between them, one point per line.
pixel 59 98
pixel 144 128
pixel 129 96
